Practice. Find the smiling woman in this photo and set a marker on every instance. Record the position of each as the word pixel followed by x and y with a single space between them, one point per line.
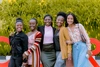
pixel 33 53
pixel 6 40
pixel 18 43
pixel 47 43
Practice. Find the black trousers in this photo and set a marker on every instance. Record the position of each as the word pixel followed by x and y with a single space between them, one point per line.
pixel 15 61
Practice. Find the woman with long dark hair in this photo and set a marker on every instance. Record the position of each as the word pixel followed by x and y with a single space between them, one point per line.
pixel 80 49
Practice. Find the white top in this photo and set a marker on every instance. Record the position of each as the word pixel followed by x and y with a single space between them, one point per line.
pixel 75 34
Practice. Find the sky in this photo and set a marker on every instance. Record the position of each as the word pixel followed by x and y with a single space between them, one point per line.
pixel 0 1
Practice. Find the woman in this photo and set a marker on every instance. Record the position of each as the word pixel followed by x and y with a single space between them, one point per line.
pixel 34 38
pixel 62 44
pixel 47 43
pixel 80 49
pixel 18 43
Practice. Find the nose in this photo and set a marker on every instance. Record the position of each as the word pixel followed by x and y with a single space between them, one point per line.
pixel 59 21
pixel 19 26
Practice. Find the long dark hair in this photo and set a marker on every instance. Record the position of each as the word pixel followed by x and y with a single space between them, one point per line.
pixel 50 17
pixel 74 17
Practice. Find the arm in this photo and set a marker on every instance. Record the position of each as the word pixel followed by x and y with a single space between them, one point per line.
pixel 24 43
pixel 66 34
pixel 11 36
pixel 85 36
pixel 40 28
pixel 36 43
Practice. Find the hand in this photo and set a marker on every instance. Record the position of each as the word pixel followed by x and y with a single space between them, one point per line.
pixel 24 56
pixel 89 52
pixel 69 56
pixel 12 33
pixel 24 64
pixel 69 42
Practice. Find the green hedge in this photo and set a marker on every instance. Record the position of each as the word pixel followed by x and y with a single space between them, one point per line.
pixel 87 12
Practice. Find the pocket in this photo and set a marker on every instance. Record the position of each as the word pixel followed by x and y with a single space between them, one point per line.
pixel 76 45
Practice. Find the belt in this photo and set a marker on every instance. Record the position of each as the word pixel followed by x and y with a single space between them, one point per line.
pixel 48 47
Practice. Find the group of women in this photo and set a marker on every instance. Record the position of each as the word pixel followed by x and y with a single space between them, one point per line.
pixel 62 46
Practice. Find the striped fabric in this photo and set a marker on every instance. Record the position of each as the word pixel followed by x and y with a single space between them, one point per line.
pixel 35 49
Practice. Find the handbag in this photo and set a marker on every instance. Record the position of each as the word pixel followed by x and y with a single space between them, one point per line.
pixel 82 36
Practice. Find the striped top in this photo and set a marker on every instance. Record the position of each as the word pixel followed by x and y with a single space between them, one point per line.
pixel 36 42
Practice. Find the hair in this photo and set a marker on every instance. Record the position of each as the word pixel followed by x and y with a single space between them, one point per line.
pixel 63 14
pixel 49 16
pixel 74 17
pixel 19 20
pixel 34 19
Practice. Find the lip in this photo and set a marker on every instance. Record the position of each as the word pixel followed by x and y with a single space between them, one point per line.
pixel 18 28
pixel 58 24
pixel 32 26
pixel 69 21
pixel 47 22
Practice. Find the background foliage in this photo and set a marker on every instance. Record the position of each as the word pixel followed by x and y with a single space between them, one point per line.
pixel 87 12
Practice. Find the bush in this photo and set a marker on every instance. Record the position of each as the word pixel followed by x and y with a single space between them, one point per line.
pixel 87 12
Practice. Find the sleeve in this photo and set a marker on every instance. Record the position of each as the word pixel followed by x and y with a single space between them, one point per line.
pixel 66 34
pixel 24 43
pixel 36 43
pixel 85 36
pixel 39 28
pixel 10 39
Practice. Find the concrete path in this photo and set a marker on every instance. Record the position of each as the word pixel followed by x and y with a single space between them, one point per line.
pixel 4 60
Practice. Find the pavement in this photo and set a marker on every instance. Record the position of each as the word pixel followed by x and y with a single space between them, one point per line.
pixel 4 60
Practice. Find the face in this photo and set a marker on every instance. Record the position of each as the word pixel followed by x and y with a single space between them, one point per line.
pixel 70 19
pixel 47 21
pixel 59 21
pixel 32 25
pixel 19 26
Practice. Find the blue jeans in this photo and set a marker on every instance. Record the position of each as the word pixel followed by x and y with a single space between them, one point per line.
pixel 59 61
pixel 15 62
pixel 79 55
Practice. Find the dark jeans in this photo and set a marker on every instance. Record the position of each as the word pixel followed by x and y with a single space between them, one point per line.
pixel 15 61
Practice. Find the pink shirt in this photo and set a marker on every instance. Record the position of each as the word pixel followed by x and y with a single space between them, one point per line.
pixel 48 35
pixel 75 35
